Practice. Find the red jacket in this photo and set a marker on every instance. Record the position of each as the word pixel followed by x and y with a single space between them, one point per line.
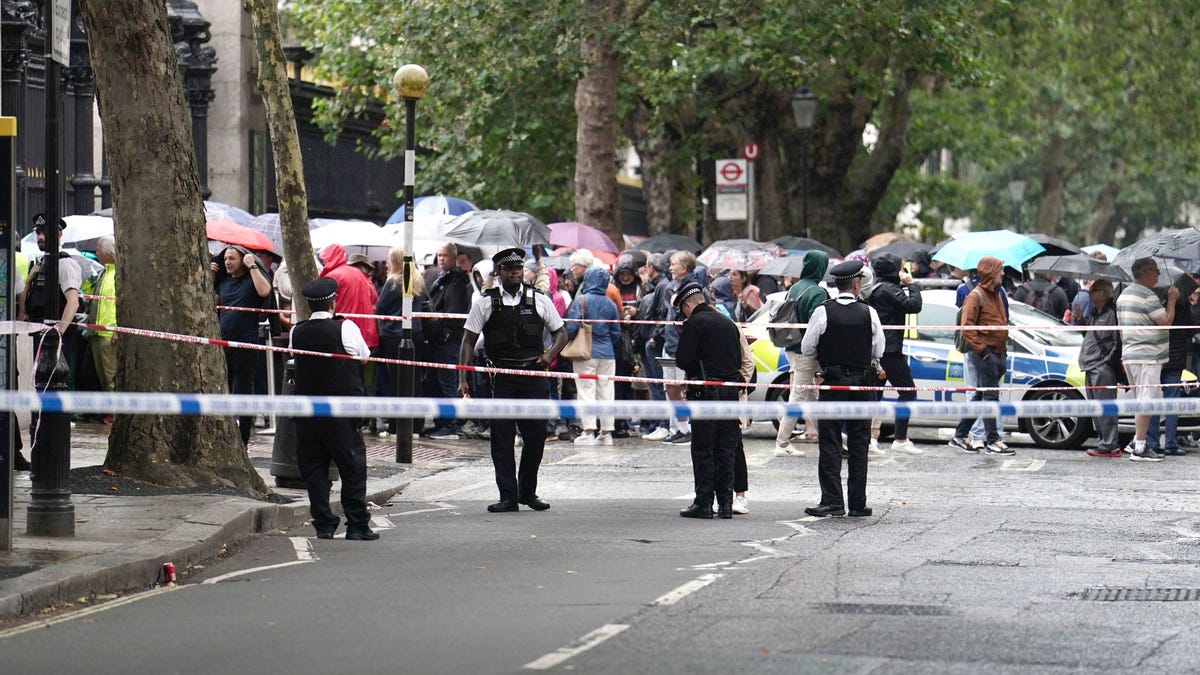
pixel 355 292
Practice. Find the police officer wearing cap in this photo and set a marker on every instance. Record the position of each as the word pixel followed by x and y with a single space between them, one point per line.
pixel 709 349
pixel 511 319
pixel 320 440
pixel 846 339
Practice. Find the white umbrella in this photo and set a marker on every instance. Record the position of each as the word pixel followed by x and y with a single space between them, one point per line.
pixel 356 236
pixel 81 233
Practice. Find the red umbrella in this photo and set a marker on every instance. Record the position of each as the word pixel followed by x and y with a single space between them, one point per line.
pixel 229 232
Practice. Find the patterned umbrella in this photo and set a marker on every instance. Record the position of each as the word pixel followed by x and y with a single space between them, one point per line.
pixel 738 254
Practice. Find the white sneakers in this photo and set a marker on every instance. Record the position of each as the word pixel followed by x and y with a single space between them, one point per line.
pixel 740 505
pixel 604 438
pixel 906 446
pixel 873 448
pixel 657 435
pixel 788 450
pixel 587 439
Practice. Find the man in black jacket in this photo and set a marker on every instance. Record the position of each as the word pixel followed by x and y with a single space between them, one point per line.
pixel 894 297
pixel 1179 356
pixel 709 349
pixel 1100 359
pixel 450 293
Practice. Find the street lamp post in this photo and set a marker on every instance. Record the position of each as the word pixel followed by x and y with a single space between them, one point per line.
pixel 1016 190
pixel 410 81
pixel 804 109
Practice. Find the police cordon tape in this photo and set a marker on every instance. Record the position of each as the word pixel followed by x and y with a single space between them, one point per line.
pixel 742 324
pixel 10 327
pixel 546 409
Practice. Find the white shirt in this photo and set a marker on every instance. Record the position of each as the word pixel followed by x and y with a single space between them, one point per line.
pixel 818 321
pixel 352 339
pixel 481 310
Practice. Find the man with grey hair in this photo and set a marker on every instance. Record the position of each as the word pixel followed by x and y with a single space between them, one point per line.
pixel 103 311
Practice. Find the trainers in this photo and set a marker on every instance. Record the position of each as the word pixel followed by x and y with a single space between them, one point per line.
pixel 1146 455
pixel 874 449
pixel 604 439
pixel 586 439
pixel 907 447
pixel 965 445
pixel 659 434
pixel 788 450
pixel 740 506
pixel 679 439
pixel 999 448
pixel 443 435
pixel 1097 452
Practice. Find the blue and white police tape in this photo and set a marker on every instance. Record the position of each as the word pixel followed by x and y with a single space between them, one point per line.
pixel 479 408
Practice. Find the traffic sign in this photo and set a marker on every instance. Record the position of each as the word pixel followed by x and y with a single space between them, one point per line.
pixel 750 151
pixel 731 173
pixel 732 177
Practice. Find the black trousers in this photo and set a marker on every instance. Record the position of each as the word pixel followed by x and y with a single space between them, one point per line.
pixel 899 375
pixel 514 484
pixel 829 465
pixel 241 365
pixel 714 445
pixel 319 441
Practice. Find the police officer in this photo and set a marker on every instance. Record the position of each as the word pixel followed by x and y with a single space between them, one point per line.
pixel 320 440
pixel 709 349
pixel 512 319
pixel 845 337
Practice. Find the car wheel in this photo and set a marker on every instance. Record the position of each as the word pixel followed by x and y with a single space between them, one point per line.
pixel 1057 432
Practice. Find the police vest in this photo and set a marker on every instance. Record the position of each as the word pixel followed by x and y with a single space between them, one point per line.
pixel 513 333
pixel 847 338
pixel 320 375
pixel 35 294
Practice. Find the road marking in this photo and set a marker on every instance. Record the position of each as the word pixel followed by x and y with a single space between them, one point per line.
pixel 382 522
pixel 111 604
pixel 1022 464
pixel 447 507
pixel 303 548
pixel 589 458
pixel 252 570
pixel 459 491
pixel 800 529
pixel 581 645
pixel 685 590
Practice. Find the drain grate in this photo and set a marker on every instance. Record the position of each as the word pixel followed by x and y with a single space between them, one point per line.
pixel 1142 594
pixel 891 610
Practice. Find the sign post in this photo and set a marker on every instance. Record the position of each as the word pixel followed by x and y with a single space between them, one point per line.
pixel 60 32
pixel 731 189
pixel 750 152
pixel 8 273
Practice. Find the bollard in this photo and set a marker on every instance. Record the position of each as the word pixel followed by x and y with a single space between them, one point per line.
pixel 285 465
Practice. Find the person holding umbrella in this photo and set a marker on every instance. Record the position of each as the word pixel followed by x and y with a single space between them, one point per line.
pixel 240 281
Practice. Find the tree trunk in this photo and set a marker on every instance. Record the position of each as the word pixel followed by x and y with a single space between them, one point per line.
pixel 657 184
pixel 596 201
pixel 290 191
pixel 162 265
pixel 1055 174
pixel 1105 218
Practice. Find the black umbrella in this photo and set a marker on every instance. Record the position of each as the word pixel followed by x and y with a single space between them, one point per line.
pixel 670 242
pixel 1180 243
pixel 915 251
pixel 795 243
pixel 1054 245
pixel 1169 270
pixel 498 228
pixel 1078 266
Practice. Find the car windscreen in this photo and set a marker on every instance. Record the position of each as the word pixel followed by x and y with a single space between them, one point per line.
pixel 1024 315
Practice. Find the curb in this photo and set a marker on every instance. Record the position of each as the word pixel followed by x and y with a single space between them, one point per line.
pixel 139 565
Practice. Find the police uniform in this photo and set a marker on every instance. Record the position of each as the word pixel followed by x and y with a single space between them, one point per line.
pixel 845 337
pixel 709 349
pixel 321 440
pixel 512 326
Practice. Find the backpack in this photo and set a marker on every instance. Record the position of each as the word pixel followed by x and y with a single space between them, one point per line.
pixel 787 338
pixel 960 339
pixel 1040 299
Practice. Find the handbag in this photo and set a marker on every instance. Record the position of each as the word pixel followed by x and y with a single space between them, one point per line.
pixel 580 348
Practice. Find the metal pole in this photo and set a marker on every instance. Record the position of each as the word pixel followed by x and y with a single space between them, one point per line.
pixel 51 513
pixel 405 376
pixel 699 200
pixel 750 224
pixel 264 331
pixel 8 138
pixel 804 187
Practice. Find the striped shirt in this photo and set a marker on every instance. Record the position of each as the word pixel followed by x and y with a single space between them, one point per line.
pixel 1140 306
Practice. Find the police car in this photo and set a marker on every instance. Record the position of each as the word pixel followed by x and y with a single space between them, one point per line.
pixel 1041 366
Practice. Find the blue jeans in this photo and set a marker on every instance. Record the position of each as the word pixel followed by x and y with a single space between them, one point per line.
pixel 971 380
pixel 1170 422
pixel 652 369
pixel 989 370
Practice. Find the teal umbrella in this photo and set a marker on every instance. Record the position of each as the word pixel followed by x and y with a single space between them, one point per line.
pixel 965 250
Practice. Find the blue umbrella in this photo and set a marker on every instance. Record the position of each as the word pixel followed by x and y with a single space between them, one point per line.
pixel 965 250
pixel 433 205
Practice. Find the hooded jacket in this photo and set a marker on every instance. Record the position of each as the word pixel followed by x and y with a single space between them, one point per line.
pixel 355 292
pixel 892 302
pixel 986 311
pixel 812 270
pixel 595 305
pixel 483 269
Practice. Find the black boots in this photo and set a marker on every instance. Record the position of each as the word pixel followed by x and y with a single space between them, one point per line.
pixel 701 508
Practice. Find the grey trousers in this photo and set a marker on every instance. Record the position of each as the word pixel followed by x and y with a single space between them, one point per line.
pixel 1106 426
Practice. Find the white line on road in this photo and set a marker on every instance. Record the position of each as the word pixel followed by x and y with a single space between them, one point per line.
pixel 795 525
pixel 686 590
pixel 1022 465
pixel 252 570
pixel 111 604
pixel 382 523
pixel 459 491
pixel 303 548
pixel 413 513
pixel 581 645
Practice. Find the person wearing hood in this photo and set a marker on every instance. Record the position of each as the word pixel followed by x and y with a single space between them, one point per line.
pixel 240 281
pixel 356 293
pixel 593 304
pixel 988 353
pixel 808 294
pixel 894 297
